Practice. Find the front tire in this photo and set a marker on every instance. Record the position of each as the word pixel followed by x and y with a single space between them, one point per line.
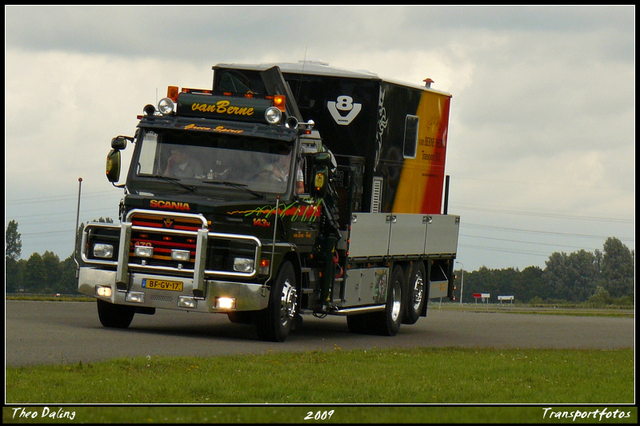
pixel 115 316
pixel 242 317
pixel 359 324
pixel 275 322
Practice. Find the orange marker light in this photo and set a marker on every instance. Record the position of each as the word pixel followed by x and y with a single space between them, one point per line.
pixel 172 93
pixel 279 101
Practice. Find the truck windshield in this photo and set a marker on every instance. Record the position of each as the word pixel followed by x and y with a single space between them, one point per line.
pixel 212 159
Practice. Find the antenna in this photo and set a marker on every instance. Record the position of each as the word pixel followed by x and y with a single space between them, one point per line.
pixel 304 62
pixel 75 245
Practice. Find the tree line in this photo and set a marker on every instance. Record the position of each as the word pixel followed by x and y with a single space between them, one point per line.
pixel 601 278
pixel 41 273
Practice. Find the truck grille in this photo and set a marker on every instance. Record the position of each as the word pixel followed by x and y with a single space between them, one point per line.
pixel 164 234
pixel 167 232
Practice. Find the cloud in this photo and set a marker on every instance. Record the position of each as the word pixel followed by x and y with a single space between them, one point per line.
pixel 542 118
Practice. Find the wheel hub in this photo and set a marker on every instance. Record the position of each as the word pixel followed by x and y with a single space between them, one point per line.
pixel 397 304
pixel 288 302
pixel 418 292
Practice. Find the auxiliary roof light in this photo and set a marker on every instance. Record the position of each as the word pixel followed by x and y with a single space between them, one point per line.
pixel 166 106
pixel 273 115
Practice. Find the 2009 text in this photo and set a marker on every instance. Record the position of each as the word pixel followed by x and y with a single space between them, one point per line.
pixel 319 415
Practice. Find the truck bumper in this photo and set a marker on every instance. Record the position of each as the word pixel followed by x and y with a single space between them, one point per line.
pixel 242 296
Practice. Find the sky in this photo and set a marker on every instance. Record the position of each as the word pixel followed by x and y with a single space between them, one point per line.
pixel 541 152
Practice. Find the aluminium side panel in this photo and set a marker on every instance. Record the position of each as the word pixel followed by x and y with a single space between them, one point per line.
pixel 408 234
pixel 367 286
pixel 369 236
pixel 438 289
pixel 442 234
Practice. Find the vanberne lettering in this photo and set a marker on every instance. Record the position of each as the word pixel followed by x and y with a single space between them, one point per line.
pixel 222 107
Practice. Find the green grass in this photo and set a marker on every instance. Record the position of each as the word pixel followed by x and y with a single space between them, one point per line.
pixel 351 377
pixel 51 298
pixel 397 386
pixel 518 308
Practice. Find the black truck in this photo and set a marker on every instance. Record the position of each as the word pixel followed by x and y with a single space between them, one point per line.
pixel 285 189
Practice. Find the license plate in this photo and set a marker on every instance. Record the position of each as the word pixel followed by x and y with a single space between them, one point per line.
pixel 162 284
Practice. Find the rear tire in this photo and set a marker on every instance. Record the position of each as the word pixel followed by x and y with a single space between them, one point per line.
pixel 416 293
pixel 115 316
pixel 387 322
pixel 274 323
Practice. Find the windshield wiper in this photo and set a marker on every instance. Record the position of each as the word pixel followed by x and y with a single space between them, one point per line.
pixel 176 181
pixel 242 186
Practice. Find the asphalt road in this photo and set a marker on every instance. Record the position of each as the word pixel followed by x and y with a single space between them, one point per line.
pixel 70 332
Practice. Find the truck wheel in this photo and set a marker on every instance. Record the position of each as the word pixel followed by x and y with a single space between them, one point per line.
pixel 241 317
pixel 387 322
pixel 415 294
pixel 275 322
pixel 115 316
pixel 359 324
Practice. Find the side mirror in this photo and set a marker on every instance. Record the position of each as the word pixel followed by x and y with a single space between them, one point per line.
pixel 119 143
pixel 320 181
pixel 113 165
pixel 321 161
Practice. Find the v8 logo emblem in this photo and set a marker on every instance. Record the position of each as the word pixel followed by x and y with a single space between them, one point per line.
pixel 344 105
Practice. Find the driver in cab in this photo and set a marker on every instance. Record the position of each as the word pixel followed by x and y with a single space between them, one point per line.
pixel 181 165
pixel 280 171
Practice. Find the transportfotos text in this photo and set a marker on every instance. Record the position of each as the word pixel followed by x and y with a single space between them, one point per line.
pixel 550 413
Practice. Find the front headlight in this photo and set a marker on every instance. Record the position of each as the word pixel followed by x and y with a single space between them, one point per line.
pixel 180 255
pixel 143 251
pixel 103 251
pixel 242 264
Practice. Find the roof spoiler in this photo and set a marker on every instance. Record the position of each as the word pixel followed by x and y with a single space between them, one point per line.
pixel 275 84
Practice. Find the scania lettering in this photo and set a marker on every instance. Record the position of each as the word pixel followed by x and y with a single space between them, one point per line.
pixel 284 190
pixel 173 205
